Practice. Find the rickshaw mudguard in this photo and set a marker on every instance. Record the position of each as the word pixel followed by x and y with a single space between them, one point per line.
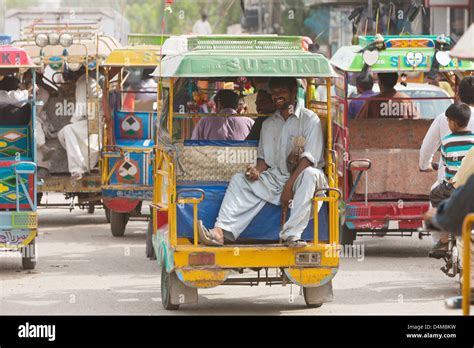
pixel 202 277
pixel 16 239
pixel 121 205
pixel 310 277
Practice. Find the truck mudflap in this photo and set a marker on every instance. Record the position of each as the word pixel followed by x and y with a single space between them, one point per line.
pixel 121 205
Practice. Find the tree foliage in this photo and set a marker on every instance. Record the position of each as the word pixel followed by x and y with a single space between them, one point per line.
pixel 145 16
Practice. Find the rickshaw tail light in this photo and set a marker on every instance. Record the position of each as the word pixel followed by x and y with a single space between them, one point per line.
pixel 308 259
pixel 201 259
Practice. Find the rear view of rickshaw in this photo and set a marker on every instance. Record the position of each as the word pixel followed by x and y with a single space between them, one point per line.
pixel 191 177
pixel 69 110
pixel 18 216
pixel 130 105
pixel 377 157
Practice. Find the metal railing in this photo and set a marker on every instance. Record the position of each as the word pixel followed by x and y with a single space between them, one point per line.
pixel 466 263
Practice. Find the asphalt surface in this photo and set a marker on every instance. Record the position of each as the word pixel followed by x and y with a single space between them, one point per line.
pixel 82 269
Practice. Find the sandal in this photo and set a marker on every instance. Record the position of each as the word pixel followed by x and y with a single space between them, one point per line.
pixel 207 237
pixel 295 242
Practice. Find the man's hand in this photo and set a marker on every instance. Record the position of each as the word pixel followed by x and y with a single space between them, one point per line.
pixel 252 173
pixel 287 195
pixel 430 213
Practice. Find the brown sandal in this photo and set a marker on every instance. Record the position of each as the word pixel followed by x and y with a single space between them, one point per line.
pixel 207 237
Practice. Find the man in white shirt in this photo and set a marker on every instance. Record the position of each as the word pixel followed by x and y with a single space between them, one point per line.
pixel 75 137
pixel 437 131
pixel 14 107
pixel 202 26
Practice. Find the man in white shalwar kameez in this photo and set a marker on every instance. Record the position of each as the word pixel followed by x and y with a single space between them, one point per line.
pixel 73 137
pixel 270 180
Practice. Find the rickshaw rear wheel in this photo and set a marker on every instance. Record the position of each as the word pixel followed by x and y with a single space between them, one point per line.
pixel 150 252
pixel 348 236
pixel 307 295
pixel 118 222
pixel 166 281
pixel 28 256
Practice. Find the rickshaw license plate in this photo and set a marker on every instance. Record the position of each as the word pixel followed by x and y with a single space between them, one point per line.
pixel 308 258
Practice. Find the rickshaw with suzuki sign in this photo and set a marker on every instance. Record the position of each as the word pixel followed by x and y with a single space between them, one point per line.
pixel 129 129
pixel 69 109
pixel 191 177
pixel 18 213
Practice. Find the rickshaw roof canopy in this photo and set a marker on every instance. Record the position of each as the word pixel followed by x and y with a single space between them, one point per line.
pixel 146 39
pixel 14 57
pixel 402 54
pixel 101 47
pixel 137 56
pixel 464 48
pixel 244 55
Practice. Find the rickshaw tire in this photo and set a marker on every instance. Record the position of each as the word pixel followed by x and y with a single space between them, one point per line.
pixel 118 223
pixel 166 279
pixel 348 236
pixel 150 252
pixel 28 262
pixel 91 208
pixel 107 214
pixel 310 305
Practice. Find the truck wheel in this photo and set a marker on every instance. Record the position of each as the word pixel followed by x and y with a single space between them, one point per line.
pixel 347 236
pixel 166 280
pixel 150 252
pixel 28 255
pixel 118 222
pixel 307 298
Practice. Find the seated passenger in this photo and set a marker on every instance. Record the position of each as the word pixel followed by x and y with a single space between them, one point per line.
pixel 388 107
pixel 271 180
pixel 44 152
pixel 75 137
pixel 223 127
pixel 258 83
pixel 264 107
pixel 14 106
pixel 146 96
pixel 364 87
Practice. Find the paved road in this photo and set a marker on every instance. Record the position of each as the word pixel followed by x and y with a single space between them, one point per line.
pixel 82 269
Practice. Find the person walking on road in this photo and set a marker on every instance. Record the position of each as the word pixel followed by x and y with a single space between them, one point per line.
pixel 202 26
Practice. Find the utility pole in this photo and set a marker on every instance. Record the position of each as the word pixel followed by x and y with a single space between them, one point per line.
pixel 370 10
pixel 270 17
pixel 259 16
